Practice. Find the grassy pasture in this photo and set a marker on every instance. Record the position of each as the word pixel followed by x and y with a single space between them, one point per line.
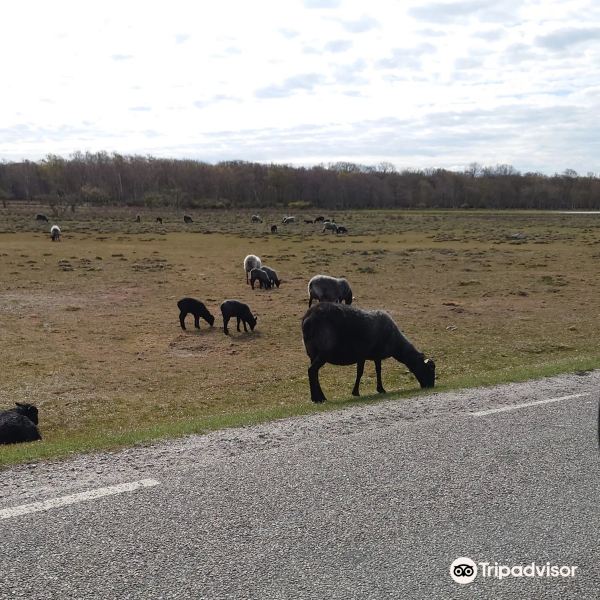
pixel 89 326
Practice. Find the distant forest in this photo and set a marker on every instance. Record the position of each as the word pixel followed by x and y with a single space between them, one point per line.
pixel 113 179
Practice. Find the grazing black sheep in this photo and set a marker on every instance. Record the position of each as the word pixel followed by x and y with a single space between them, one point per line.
pixel 341 229
pixel 159 220
pixel 346 335
pixel 319 219
pixel 256 219
pixel 41 217
pixel 196 308
pixel 273 228
pixel 251 262
pixel 329 289
pixel 55 233
pixel 187 219
pixel 262 277
pixel 138 219
pixel 235 308
pixel 19 424
pixel 308 221
pixel 272 275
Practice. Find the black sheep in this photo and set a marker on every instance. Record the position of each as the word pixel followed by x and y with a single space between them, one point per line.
pixel 235 308
pixel 187 219
pixel 344 335
pixel 196 308
pixel 41 217
pixel 341 229
pixel 319 219
pixel 272 275
pixel 159 220
pixel 19 424
pixel 262 277
pixel 273 228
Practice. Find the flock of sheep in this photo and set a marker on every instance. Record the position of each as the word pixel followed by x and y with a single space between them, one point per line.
pixel 328 224
pixel 333 332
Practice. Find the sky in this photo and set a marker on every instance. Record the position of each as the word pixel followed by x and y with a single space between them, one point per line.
pixel 419 84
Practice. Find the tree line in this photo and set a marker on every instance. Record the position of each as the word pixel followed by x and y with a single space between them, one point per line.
pixel 113 179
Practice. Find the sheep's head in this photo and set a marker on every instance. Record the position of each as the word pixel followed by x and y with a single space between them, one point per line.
pixel 426 373
pixel 28 410
pixel 210 319
pixel 252 322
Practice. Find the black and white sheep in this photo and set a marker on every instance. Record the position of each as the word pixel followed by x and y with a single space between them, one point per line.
pixel 256 219
pixel 159 220
pixel 195 307
pixel 330 226
pixel 251 262
pixel 262 277
pixel 287 220
pixel 272 275
pixel 55 233
pixel 329 289
pixel 342 229
pixel 319 219
pixel 41 217
pixel 346 335
pixel 273 228
pixel 239 310
pixel 19 424
pixel 187 219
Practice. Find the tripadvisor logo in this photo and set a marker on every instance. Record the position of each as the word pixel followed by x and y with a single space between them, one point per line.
pixel 464 570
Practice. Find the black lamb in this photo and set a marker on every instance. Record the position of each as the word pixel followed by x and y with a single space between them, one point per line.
pixel 262 277
pixel 19 424
pixel 273 278
pixel 235 308
pixel 196 308
pixel 344 335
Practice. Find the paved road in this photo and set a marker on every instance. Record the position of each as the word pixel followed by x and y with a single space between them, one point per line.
pixel 371 502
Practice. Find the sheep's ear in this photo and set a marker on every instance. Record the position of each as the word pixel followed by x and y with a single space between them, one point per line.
pixel 20 404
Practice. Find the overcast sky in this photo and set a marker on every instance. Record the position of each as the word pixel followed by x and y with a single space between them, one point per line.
pixel 418 84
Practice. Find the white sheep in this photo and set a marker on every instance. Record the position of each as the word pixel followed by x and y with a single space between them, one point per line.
pixel 329 289
pixel 55 233
pixel 251 262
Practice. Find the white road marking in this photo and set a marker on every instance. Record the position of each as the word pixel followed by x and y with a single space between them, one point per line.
pixel 483 413
pixel 24 509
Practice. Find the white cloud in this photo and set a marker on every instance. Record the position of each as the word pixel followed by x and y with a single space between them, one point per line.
pixel 417 84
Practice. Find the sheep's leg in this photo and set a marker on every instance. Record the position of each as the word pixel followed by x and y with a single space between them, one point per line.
pixel 225 321
pixel 182 316
pixel 316 393
pixel 252 283
pixel 360 367
pixel 197 321
pixel 238 323
pixel 378 372
pixel 247 277
pixel 245 329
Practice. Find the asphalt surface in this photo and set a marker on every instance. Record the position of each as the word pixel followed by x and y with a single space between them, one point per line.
pixel 375 501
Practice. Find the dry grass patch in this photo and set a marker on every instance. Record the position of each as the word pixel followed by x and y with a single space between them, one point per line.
pixel 90 333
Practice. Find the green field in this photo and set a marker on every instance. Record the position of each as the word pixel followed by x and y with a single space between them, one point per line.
pixel 90 333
